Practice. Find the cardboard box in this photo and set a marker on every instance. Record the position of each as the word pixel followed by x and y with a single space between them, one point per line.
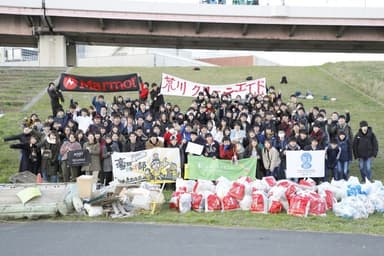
pixel 85 184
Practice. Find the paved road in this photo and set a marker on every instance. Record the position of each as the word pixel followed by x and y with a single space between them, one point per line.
pixel 128 239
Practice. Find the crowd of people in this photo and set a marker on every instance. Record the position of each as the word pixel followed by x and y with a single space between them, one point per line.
pixel 228 127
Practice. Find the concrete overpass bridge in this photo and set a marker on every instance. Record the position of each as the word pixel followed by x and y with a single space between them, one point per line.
pixel 57 26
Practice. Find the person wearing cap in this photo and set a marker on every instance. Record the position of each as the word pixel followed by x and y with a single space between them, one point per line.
pixel 211 147
pixel 365 148
pixel 345 155
pixel 227 150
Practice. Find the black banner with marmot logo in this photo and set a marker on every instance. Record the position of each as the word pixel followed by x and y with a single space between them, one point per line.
pixel 69 82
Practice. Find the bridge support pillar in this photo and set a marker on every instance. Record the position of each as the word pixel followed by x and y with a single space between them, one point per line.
pixel 54 51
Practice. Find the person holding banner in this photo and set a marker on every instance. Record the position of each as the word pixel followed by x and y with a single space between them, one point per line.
pixel 227 150
pixel 69 173
pixel 211 147
pixel 133 144
pixel 253 150
pixel 271 159
pixel 153 141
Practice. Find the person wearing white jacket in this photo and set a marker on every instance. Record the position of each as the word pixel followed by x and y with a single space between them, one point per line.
pixel 84 120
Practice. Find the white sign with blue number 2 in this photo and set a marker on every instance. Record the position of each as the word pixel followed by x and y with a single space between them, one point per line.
pixel 302 164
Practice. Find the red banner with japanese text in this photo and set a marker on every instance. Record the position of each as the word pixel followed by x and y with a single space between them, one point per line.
pixel 172 85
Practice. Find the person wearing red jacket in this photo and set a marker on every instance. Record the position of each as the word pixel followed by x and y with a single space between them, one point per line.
pixel 144 91
pixel 227 150
pixel 169 133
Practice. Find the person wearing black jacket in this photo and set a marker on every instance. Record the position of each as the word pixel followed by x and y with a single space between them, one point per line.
pixel 156 97
pixel 365 147
pixel 31 150
pixel 133 144
pixel 211 147
pixel 56 96
pixel 253 150
pixel 23 138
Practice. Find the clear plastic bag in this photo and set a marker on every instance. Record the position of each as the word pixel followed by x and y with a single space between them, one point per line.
pixel 185 203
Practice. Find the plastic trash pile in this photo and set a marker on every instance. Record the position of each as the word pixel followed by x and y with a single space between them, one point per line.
pixel 348 199
pixel 119 203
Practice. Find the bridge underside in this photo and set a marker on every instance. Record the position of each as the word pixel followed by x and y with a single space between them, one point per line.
pixel 20 30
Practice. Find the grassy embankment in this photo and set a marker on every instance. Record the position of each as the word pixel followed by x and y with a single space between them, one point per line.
pixel 349 83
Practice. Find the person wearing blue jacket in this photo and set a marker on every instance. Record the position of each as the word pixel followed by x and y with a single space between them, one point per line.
pixel 345 155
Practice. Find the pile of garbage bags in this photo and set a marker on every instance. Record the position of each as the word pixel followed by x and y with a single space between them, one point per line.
pixel 117 200
pixel 348 199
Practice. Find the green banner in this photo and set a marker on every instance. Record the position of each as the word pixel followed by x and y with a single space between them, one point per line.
pixel 200 167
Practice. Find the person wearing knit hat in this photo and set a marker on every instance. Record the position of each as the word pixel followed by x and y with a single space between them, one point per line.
pixel 365 148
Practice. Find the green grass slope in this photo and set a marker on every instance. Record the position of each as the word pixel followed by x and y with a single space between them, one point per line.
pixel 356 87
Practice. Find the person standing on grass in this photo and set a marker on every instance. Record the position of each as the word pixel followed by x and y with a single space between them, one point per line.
pixel 271 159
pixel 50 150
pixel 31 151
pixel 93 147
pixel 365 148
pixel 345 155
pixel 69 173
pixel 56 98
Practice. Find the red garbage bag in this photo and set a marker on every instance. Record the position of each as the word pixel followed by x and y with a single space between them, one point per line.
pixel 318 206
pixel 259 202
pixel 290 192
pixel 299 205
pixel 175 198
pixel 212 203
pixel 275 206
pixel 330 199
pixel 230 203
pixel 237 191
pixel 197 202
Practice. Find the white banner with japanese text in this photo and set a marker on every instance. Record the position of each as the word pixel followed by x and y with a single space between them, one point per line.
pixel 303 164
pixel 157 164
pixel 172 85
